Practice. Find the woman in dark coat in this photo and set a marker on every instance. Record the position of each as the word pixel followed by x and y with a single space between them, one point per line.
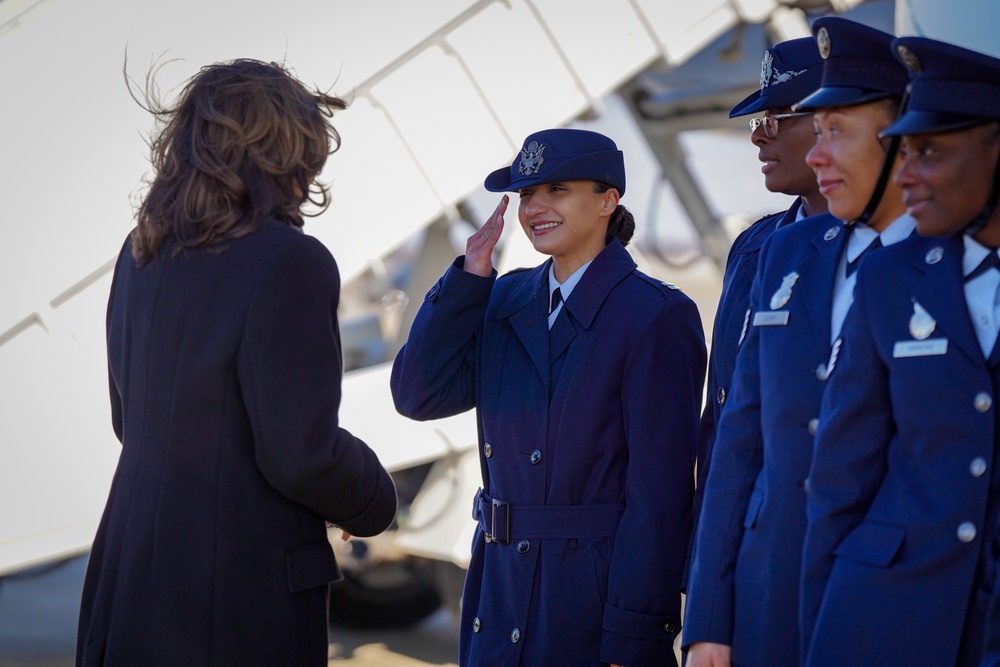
pixel 225 370
pixel 587 378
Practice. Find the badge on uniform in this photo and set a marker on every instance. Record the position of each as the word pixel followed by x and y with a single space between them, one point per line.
pixel 922 325
pixel 777 318
pixel 743 333
pixel 824 370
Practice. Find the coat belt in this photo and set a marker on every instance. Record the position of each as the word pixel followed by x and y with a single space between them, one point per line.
pixel 501 521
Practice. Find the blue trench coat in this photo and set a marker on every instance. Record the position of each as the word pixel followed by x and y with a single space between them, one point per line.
pixel 903 491
pixel 588 432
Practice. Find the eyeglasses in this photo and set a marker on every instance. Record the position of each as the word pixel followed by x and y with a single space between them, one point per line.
pixel 770 122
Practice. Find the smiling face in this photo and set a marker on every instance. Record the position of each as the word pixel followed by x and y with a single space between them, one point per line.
pixel 847 159
pixel 946 177
pixel 567 220
pixel 784 156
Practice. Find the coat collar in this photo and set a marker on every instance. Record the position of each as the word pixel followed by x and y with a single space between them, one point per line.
pixel 526 308
pixel 608 269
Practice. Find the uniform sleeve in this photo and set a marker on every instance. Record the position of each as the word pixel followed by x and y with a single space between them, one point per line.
pixel 661 398
pixel 433 375
pixel 290 370
pixel 737 459
pixel 849 458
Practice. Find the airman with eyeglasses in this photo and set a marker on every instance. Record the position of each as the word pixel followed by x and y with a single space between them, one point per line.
pixel 789 71
pixel 770 122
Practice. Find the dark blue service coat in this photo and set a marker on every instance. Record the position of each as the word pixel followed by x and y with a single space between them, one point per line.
pixel 903 489
pixel 225 371
pixel 744 582
pixel 729 329
pixel 588 432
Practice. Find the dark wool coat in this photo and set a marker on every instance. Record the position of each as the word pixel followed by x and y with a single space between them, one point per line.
pixel 225 373
pixel 587 437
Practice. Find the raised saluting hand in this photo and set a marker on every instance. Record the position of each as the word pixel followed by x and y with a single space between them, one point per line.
pixel 479 247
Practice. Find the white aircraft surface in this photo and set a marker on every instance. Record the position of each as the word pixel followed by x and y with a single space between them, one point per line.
pixel 440 96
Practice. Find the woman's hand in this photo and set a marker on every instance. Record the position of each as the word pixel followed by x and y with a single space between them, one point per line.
pixel 479 247
pixel 707 654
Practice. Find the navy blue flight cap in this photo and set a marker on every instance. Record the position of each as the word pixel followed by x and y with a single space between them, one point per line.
pixel 788 72
pixel 953 87
pixel 858 67
pixel 562 154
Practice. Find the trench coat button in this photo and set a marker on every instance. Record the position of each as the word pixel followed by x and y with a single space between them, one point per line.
pixel 523 546
pixel 805 484
pixel 487 537
pixel 536 456
pixel 966 531
pixel 669 627
pixel 488 450
pixel 720 395
pixel 476 624
pixel 983 402
pixel 978 466
pixel 813 426
pixel 515 636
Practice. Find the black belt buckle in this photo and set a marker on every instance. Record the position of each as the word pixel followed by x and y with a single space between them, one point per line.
pixel 500 522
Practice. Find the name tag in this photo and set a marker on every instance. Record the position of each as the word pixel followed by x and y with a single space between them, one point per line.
pixel 774 318
pixel 920 348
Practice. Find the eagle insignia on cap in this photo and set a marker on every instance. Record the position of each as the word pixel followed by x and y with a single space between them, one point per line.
pixel 766 65
pixel 531 159
pixel 823 43
pixel 909 59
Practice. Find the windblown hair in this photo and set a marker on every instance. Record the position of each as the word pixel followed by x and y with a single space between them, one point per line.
pixel 241 146
pixel 621 225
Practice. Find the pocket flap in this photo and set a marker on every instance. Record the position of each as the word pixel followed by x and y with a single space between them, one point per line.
pixel 872 543
pixel 311 564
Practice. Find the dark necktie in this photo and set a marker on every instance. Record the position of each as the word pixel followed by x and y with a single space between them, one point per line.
pixel 556 300
pixel 991 261
pixel 853 266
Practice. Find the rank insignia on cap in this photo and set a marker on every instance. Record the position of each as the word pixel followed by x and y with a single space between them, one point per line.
pixel 909 59
pixel 531 159
pixel 770 75
pixel 766 65
pixel 781 77
pixel 823 43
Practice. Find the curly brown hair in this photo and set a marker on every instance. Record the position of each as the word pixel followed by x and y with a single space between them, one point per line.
pixel 241 146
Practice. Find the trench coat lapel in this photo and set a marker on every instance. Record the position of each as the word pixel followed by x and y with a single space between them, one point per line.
pixel 527 306
pixel 936 291
pixel 527 310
